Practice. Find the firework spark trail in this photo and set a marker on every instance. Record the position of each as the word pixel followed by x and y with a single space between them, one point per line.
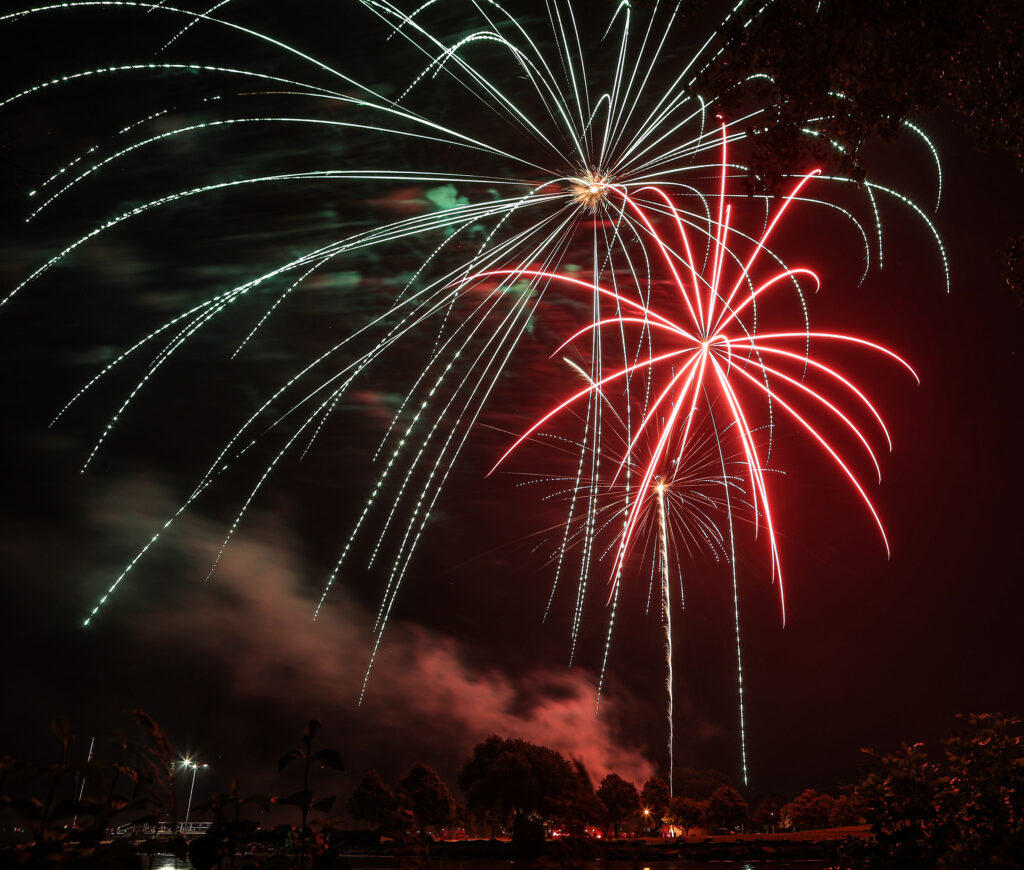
pixel 666 598
pixel 588 159
pixel 400 568
pixel 680 511
pixel 396 453
pixel 518 311
pixel 217 466
pixel 389 595
pixel 594 408
pixel 735 601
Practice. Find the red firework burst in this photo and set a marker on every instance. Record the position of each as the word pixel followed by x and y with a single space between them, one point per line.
pixel 704 349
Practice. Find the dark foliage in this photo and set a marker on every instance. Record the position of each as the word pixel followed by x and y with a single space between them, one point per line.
pixel 372 801
pixel 808 811
pixel 766 816
pixel 866 66
pixel 66 808
pixel 229 830
pixel 687 812
pixel 427 796
pixel 522 781
pixel 844 812
pixel 967 812
pixel 726 808
pixel 305 801
pixel 620 800
pixel 654 798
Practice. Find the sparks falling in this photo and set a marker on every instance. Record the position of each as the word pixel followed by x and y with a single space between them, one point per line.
pixel 666 598
pixel 690 508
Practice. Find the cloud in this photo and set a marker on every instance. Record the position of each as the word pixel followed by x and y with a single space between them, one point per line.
pixel 253 622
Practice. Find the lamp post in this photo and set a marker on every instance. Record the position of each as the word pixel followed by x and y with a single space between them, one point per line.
pixel 195 765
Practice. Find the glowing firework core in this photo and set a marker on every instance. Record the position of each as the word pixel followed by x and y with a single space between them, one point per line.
pixel 590 189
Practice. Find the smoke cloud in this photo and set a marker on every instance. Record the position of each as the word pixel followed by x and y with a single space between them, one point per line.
pixel 253 621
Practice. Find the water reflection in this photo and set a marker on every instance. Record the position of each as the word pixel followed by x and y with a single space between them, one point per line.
pixel 169 862
pixel 385 862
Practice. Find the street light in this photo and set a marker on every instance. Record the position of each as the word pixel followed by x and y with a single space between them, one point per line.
pixel 195 765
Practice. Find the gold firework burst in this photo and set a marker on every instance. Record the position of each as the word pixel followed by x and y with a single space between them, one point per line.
pixel 590 189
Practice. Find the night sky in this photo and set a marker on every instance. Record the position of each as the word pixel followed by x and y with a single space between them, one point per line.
pixel 874 652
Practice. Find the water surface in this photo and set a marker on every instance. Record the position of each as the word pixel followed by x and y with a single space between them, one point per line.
pixel 385 862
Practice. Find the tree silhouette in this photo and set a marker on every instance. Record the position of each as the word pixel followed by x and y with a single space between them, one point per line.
pixel 428 797
pixel 984 799
pixel 687 812
pixel 654 800
pixel 726 808
pixel 620 799
pixel 843 812
pixel 807 811
pixel 899 797
pixel 519 779
pixel 372 801
pixel 767 814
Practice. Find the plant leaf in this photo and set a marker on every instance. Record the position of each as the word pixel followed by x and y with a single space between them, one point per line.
pixel 324 805
pixel 261 800
pixel 329 758
pixel 301 799
pixel 287 758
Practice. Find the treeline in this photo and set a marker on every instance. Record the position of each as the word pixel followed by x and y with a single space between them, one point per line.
pixel 515 787
pixel 963 809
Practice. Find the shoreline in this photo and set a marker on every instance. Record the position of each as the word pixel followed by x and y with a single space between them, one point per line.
pixel 824 845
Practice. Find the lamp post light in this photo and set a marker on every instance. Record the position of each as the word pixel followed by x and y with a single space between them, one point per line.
pixel 195 765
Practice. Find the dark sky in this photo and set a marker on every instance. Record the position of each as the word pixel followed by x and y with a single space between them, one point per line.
pixel 874 651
